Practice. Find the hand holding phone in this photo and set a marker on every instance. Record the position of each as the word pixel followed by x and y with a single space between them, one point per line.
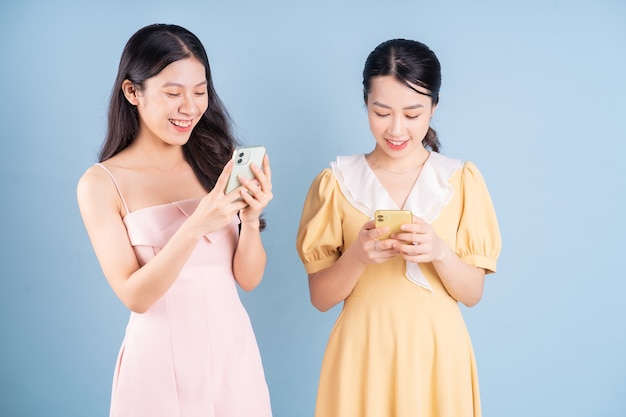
pixel 392 219
pixel 242 158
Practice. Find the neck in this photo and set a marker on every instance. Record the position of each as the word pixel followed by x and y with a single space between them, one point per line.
pixel 408 165
pixel 158 155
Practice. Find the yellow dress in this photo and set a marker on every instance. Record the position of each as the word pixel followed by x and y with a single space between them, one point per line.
pixel 399 349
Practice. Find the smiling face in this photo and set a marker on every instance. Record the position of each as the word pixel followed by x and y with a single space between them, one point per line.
pixel 171 103
pixel 399 118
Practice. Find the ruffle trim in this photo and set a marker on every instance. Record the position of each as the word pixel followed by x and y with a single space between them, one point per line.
pixel 430 194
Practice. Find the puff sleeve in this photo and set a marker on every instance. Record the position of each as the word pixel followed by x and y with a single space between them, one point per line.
pixel 478 236
pixel 320 237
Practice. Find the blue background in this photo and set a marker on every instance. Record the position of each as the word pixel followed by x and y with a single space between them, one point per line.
pixel 533 92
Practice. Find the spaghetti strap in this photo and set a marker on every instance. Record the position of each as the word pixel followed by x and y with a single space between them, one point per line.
pixel 116 186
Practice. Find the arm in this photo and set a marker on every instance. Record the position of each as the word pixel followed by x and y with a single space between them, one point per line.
pixel 463 282
pixel 250 257
pixel 477 229
pixel 332 285
pixel 140 287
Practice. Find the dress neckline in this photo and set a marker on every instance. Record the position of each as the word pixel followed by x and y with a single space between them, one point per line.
pixel 161 205
pixel 430 193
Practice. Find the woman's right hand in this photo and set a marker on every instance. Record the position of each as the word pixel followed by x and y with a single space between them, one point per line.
pixel 332 285
pixel 367 249
pixel 217 209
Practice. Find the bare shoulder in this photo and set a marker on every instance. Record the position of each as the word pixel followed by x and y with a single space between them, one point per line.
pixel 95 179
pixel 95 188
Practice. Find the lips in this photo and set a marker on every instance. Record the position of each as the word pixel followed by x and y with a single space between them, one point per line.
pixel 397 144
pixel 181 123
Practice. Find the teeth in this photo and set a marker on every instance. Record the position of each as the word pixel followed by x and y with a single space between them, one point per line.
pixel 395 143
pixel 181 123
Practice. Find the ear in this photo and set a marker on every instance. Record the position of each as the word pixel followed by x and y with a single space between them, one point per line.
pixel 130 92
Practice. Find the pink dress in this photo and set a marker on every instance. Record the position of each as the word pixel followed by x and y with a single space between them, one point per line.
pixel 193 353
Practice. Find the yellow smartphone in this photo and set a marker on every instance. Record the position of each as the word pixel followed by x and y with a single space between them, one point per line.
pixel 392 219
pixel 242 158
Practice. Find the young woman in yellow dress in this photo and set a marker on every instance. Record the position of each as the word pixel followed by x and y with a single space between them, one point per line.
pixel 400 346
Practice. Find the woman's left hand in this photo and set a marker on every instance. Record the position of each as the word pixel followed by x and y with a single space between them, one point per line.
pixel 418 242
pixel 257 193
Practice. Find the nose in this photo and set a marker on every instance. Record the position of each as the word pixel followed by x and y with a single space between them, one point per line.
pixel 396 128
pixel 189 105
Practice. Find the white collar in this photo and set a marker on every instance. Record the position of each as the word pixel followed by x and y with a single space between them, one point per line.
pixel 431 192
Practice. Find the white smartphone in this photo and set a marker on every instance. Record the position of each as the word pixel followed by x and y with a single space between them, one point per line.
pixel 242 158
pixel 392 219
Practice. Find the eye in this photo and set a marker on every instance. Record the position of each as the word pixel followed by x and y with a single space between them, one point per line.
pixel 200 93
pixel 380 114
pixel 412 117
pixel 172 94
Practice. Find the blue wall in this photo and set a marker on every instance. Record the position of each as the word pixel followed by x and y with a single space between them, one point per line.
pixel 533 92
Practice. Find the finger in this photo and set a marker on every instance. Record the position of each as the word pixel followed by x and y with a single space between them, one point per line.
pixel 250 197
pixel 250 184
pixel 247 191
pixel 235 194
pixel 385 244
pixel 222 180
pixel 264 177
pixel 266 168
pixel 252 194
pixel 370 225
pixel 409 228
pixel 411 249
pixel 417 228
pixel 406 236
pixel 375 233
pixel 238 204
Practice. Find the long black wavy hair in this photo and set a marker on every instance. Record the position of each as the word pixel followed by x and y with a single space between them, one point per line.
pixel 146 54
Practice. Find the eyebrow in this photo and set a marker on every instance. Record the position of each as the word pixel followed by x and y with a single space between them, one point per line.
pixel 171 84
pixel 414 106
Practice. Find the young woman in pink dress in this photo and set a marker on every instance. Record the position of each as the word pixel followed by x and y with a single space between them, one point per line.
pixel 172 245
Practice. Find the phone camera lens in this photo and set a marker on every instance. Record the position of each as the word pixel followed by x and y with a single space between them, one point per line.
pixel 239 160
pixel 240 154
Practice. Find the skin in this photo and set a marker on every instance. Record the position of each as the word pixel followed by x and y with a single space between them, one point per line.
pixel 152 171
pixel 399 118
